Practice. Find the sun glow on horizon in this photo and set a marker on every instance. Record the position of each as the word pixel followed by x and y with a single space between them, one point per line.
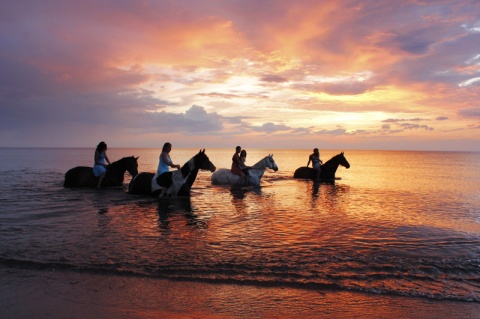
pixel 364 71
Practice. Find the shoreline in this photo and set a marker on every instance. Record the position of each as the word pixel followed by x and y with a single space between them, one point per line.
pixel 28 293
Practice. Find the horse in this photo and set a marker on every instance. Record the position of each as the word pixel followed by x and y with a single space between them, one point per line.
pixel 171 184
pixel 82 176
pixel 224 176
pixel 327 170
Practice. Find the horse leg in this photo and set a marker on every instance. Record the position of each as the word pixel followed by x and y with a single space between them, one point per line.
pixel 100 179
pixel 163 191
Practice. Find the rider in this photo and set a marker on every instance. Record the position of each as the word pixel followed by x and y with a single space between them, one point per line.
pixel 99 166
pixel 238 166
pixel 165 161
pixel 243 159
pixel 316 161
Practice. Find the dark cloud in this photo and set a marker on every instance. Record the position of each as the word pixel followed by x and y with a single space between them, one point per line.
pixel 471 112
pixel 273 78
pixel 409 43
pixel 410 126
pixel 403 120
pixel 194 121
pixel 335 132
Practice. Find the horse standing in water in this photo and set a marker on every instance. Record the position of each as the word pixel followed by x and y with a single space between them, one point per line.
pixel 175 183
pixel 82 176
pixel 328 169
pixel 224 176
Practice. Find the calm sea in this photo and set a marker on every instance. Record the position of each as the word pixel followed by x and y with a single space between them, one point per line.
pixel 405 223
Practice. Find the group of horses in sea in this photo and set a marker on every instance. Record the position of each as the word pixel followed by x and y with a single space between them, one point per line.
pixel 179 182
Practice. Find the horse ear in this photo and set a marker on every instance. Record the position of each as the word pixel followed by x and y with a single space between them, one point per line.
pixel 136 158
pixel 203 151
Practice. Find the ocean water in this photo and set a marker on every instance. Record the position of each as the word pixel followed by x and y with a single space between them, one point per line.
pixel 402 223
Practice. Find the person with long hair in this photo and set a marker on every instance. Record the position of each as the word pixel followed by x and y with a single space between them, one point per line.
pixel 238 166
pixel 99 166
pixel 165 162
pixel 316 162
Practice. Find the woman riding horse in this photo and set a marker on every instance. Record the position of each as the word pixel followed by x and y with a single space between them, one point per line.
pixel 180 181
pixel 225 176
pixel 99 166
pixel 82 176
pixel 328 169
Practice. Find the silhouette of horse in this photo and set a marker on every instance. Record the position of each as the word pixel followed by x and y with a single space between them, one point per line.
pixel 328 169
pixel 175 183
pixel 82 176
pixel 224 176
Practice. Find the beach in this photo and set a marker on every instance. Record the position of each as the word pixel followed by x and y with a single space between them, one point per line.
pixel 50 293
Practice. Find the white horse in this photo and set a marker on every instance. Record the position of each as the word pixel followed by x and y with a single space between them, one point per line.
pixel 224 176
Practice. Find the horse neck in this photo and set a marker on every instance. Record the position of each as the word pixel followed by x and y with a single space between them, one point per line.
pixel 332 163
pixel 188 167
pixel 189 171
pixel 118 166
pixel 259 168
pixel 117 169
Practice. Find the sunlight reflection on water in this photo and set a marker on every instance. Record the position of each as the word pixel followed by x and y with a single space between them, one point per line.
pixel 395 222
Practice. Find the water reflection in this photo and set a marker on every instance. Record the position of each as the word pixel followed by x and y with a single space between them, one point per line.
pixel 103 210
pixel 315 188
pixel 167 208
pixel 240 199
pixel 240 192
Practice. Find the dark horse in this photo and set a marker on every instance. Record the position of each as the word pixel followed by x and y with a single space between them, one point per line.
pixel 328 169
pixel 175 183
pixel 82 176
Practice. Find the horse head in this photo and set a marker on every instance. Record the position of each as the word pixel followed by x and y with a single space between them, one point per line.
pixel 343 161
pixel 340 159
pixel 131 165
pixel 271 163
pixel 203 162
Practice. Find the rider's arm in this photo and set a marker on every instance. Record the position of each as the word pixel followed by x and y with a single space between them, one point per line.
pixel 168 161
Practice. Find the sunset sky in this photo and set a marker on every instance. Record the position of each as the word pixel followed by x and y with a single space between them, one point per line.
pixel 346 74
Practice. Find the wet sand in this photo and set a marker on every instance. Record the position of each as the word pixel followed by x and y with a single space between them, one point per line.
pixel 27 293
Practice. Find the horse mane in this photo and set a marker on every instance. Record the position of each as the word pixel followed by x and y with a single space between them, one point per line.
pixel 117 162
pixel 330 161
pixel 121 161
pixel 122 164
pixel 185 169
pixel 257 164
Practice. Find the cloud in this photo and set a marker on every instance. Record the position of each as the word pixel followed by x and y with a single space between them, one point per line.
pixel 339 88
pixel 469 82
pixel 271 128
pixel 405 124
pixel 273 78
pixel 410 126
pixel 334 132
pixel 219 68
pixel 403 120
pixel 473 112
pixel 194 121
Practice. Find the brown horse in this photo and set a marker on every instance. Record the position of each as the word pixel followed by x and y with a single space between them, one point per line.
pixel 82 176
pixel 327 170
